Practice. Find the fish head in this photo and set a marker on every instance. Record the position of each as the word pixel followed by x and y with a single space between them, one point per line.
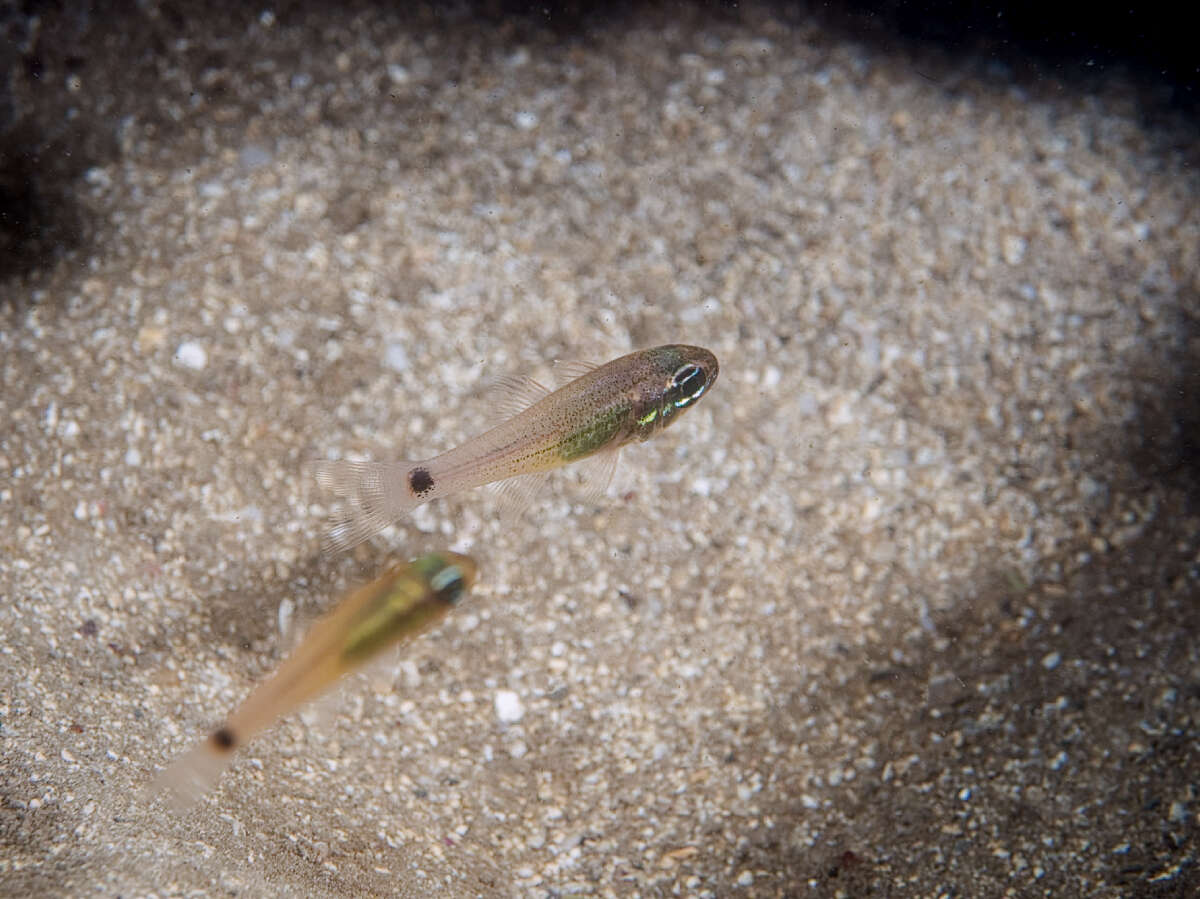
pixel 687 373
pixel 448 574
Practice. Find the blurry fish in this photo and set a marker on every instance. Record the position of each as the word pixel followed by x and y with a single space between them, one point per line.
pixel 592 415
pixel 404 601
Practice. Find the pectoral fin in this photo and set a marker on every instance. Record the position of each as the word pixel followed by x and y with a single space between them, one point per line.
pixel 594 473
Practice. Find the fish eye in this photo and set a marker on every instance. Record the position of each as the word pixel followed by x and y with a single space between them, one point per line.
pixel 688 382
pixel 448 584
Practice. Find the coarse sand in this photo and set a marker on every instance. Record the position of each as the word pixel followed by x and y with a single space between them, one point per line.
pixel 908 606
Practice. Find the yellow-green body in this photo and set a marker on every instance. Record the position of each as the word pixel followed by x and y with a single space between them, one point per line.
pixel 401 603
pixel 602 409
pixel 406 600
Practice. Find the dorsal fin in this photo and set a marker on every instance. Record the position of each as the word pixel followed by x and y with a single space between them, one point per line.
pixel 513 394
pixel 566 370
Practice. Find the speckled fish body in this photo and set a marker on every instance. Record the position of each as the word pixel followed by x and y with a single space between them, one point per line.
pixel 598 411
pixel 406 600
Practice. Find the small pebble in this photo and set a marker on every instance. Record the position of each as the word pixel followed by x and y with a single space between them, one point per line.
pixel 508 707
pixel 190 354
pixel 396 357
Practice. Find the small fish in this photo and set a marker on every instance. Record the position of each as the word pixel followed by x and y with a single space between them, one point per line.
pixel 406 600
pixel 597 411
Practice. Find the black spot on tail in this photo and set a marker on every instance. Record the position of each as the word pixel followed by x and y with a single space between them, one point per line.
pixel 420 480
pixel 224 739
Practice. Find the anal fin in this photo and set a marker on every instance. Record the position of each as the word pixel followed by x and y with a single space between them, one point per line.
pixel 517 494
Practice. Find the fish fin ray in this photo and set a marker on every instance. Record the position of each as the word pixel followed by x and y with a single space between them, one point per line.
pixel 512 395
pixel 320 713
pixel 594 474
pixel 568 370
pixel 516 494
pixel 185 780
pixel 367 497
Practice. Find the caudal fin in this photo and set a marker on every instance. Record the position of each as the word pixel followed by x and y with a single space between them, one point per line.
pixel 367 497
pixel 183 782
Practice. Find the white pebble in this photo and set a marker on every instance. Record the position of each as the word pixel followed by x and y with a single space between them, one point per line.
pixel 745 879
pixel 508 707
pixel 1051 661
pixel 1014 249
pixel 97 177
pixel 395 357
pixel 525 120
pixel 191 354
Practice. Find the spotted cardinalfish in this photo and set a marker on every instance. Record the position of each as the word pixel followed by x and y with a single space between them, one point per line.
pixel 597 410
pixel 406 600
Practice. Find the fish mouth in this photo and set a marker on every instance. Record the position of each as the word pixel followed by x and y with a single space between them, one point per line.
pixel 712 368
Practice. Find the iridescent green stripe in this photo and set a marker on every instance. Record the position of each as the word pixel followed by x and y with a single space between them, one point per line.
pixel 595 435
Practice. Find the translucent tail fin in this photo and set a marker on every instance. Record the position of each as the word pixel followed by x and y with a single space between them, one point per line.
pixel 368 496
pixel 183 782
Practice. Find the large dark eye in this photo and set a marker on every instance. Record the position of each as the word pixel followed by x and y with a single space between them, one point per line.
pixel 687 384
pixel 448 584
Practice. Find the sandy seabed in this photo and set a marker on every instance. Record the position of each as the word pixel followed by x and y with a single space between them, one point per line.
pixel 907 606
